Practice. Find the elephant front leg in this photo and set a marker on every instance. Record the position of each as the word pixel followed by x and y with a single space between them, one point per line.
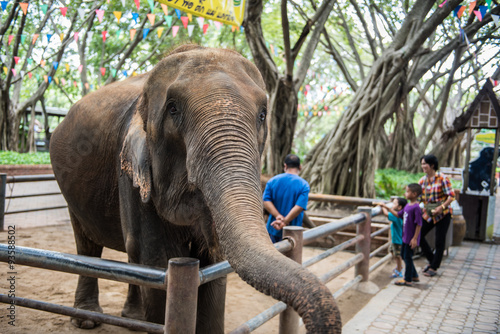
pixel 211 306
pixel 133 305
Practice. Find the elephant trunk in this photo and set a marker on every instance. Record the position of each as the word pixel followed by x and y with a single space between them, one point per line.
pixel 237 212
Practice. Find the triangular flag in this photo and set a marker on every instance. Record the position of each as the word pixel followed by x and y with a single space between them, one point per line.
pixel 242 29
pixel 49 79
pixel 4 4
pixel 44 8
pixel 137 3
pixel 152 4
pixel 75 36
pixel 23 38
pixel 135 16
pixel 118 16
pixel 190 29
pixel 483 10
pixel 104 33
pixel 11 37
pixel 24 7
pixel 45 78
pixel 49 36
pixel 14 71
pixel 233 28
pixel 478 14
pixel 461 11
pixel 113 72
pixel 123 3
pixel 75 84
pixel 61 36
pixel 103 71
pixel 168 18
pixel 22 74
pixel 81 12
pixel 80 68
pixel 134 73
pixel 488 2
pixel 87 86
pixel 132 33
pixel 175 29
pixel 472 5
pixel 63 81
pixel 42 62
pixel 63 10
pixel 57 81
pixel 151 18
pixel 217 24
pixel 185 21
pixel 190 17
pixel 145 33
pixel 200 21
pixel 160 31
pixel 455 11
pixel 30 75
pixel 178 12
pixel 441 5
pixel 16 60
pixel 67 67
pixel 496 19
pixel 30 61
pixel 118 32
pixel 55 64
pixel 5 70
pixel 205 28
pixel 165 8
pixel 125 74
pixel 37 77
pixel 100 14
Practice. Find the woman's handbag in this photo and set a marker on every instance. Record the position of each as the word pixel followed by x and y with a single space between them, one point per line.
pixel 429 207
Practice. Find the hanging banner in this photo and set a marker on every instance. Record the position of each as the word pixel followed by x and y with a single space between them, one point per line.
pixel 227 11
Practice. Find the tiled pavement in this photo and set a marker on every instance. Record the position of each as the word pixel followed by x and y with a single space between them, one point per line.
pixel 463 298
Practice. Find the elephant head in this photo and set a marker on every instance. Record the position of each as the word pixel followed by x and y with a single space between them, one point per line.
pixel 194 148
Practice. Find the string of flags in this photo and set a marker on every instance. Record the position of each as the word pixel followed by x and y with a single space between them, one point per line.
pixel 101 15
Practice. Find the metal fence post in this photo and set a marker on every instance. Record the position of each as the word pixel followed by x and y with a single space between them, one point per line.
pixel 3 191
pixel 289 319
pixel 364 228
pixel 182 295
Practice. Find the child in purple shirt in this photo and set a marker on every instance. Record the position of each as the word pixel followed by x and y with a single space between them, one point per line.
pixel 412 223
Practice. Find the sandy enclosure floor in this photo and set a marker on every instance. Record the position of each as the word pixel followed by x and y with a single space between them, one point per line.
pixel 242 301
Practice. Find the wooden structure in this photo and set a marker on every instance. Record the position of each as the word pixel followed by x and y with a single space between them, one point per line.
pixel 479 208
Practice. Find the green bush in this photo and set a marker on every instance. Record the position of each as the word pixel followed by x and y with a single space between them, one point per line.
pixel 15 158
pixel 392 182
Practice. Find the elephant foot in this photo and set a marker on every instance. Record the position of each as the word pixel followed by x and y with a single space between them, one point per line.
pixel 132 312
pixel 85 323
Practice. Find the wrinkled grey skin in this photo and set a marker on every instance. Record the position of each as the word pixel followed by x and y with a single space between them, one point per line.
pixel 167 164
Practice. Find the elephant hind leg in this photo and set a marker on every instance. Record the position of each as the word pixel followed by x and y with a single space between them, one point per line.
pixel 87 291
pixel 133 306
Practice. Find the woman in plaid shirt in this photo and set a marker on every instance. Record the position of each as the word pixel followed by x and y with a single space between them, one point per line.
pixel 437 190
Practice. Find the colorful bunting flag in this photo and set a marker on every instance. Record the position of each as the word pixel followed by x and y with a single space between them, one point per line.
pixel 113 72
pixel 151 18
pixel 49 36
pixel 145 33
pixel 4 4
pixel 441 5
pixel 42 62
pixel 16 60
pixel 160 31
pixel 118 16
pixel 233 28
pixel 45 78
pixel 185 21
pixel 496 19
pixel 44 8
pixel 168 18
pixel 81 12
pixel 175 29
pixel 87 86
pixel 137 3
pixel 217 24
pixel 135 16
pixel 63 10
pixel 75 84
pixel 488 2
pixel 132 33
pixel 14 71
pixel 104 33
pixel 461 11
pixel 125 74
pixel 483 10
pixel 100 14
pixel 67 67
pixel 23 38
pixel 5 70
pixel 134 73
pixel 190 17
pixel 205 28
pixel 151 4
pixel 61 37
pixel 55 64
pixel 178 12
pixel 165 8
pixel 24 7
pixel 118 32
pixel 472 5
pixel 103 71
pixel 478 14
pixel 190 29
pixel 56 80
pixel 49 79
pixel 30 61
pixel 75 36
pixel 455 11
pixel 80 68
pixel 30 75
pixel 200 21
pixel 11 37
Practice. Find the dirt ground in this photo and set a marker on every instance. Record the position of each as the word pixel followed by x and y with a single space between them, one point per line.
pixel 242 301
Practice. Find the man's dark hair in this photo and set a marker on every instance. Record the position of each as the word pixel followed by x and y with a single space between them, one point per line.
pixel 292 161
pixel 431 160
pixel 415 188
pixel 402 202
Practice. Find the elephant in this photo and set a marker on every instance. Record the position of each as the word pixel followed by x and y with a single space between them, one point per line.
pixel 167 164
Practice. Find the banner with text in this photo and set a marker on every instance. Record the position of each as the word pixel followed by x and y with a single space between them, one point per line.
pixel 227 11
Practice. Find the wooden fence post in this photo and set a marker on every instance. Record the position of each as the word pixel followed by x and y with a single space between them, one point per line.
pixel 364 228
pixel 3 189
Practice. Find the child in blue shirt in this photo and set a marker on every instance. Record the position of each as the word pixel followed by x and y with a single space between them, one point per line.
pixel 398 204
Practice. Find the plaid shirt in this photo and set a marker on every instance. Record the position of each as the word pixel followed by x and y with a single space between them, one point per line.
pixel 437 189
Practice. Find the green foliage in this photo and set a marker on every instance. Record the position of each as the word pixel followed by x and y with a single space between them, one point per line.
pixel 15 158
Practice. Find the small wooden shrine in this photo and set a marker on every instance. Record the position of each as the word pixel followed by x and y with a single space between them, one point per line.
pixel 479 206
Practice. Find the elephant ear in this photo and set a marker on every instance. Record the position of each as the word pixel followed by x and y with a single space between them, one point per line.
pixel 134 158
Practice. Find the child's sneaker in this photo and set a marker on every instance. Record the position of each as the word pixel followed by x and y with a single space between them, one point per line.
pixel 396 274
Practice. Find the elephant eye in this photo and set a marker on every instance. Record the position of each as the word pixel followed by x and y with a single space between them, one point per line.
pixel 262 115
pixel 172 109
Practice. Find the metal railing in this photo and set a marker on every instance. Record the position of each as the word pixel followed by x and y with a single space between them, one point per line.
pixel 183 277
pixel 4 180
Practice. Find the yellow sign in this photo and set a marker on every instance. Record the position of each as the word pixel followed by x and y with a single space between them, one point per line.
pixel 226 11
pixel 488 138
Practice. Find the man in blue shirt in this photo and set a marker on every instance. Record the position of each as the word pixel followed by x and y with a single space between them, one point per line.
pixel 285 198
